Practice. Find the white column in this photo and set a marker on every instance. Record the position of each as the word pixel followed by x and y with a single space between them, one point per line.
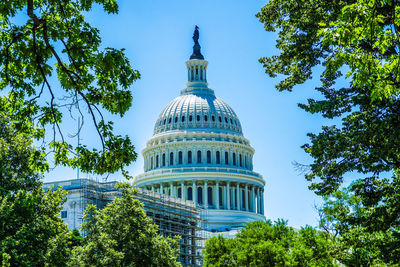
pixel 161 189
pixel 228 197
pixel 183 191
pixel 252 199
pixel 172 189
pixel 194 192
pixel 152 187
pixel 205 194
pixel 217 195
pixel 238 196
pixel 246 196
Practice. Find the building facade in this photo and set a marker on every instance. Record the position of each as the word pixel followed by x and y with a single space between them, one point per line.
pixel 198 152
pixel 173 216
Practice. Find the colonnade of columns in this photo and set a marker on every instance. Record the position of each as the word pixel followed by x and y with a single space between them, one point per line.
pixel 215 194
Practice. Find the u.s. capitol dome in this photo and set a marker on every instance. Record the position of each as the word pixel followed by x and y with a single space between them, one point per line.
pixel 198 152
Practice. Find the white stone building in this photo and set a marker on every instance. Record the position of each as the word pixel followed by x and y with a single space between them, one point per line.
pixel 198 152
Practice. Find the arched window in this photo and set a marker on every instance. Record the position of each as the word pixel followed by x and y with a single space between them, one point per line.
pixel 190 118
pixel 231 121
pixel 205 118
pixel 190 193
pixel 176 119
pixel 200 195
pixel 189 157
pixel 245 162
pixel 183 118
pixel 165 120
pixel 171 158
pixel 179 192
pixel 218 157
pixel 243 199
pixel 157 160
pixel 226 120
pixel 198 117
pixel 226 158
pixel 151 162
pixel 213 118
pixel 199 156
pixel 234 159
pixel 240 160
pixel 180 157
pixel 210 196
pixel 220 119
pixel 208 156
pixel 163 159
pixel 169 120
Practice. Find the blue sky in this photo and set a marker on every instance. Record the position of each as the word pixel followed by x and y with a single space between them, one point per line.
pixel 157 36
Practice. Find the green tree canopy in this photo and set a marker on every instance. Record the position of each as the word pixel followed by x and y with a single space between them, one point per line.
pixel 39 39
pixel 357 43
pixel 268 244
pixel 122 235
pixel 31 232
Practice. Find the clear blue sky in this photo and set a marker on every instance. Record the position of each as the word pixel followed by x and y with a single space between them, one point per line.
pixel 157 36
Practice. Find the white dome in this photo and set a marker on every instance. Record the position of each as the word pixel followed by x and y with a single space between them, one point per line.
pixel 198 110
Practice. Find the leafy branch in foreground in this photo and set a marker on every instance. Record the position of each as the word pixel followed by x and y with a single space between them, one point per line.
pixel 42 38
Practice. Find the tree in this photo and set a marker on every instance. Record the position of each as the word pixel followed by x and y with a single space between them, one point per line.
pixel 268 244
pixel 31 232
pixel 356 42
pixel 122 235
pixel 43 38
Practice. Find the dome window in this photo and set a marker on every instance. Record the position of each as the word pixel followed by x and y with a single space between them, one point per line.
pixel 165 120
pixel 183 118
pixel 231 121
pixel 218 157
pixel 226 158
pixel 176 119
pixel 169 121
pixel 199 156
pixel 151 166
pixel 190 118
pixel 189 157
pixel 157 160
pixel 179 193
pixel 205 118
pixel 163 159
pixel 208 156
pixel 190 193
pixel 234 158
pixel 180 157
pixel 171 159
pixel 198 117
pixel 210 194
pixel 220 119
pixel 240 160
pixel 226 120
pixel 213 118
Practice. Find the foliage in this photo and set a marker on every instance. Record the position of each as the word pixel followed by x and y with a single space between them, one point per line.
pixel 31 233
pixel 268 244
pixel 370 230
pixel 355 43
pixel 39 39
pixel 122 235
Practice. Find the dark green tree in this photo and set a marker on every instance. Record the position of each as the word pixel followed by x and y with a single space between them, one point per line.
pixel 268 244
pixel 31 232
pixel 122 235
pixel 356 43
pixel 39 39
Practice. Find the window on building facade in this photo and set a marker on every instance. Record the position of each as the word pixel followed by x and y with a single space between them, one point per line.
pixel 220 119
pixel 180 157
pixel 218 157
pixel 151 162
pixel 179 193
pixel 189 157
pixel 183 118
pixel 213 118
pixel 205 118
pixel 199 156
pixel 208 156
pixel 163 159
pixel 190 193
pixel 176 119
pixel 226 158
pixel 190 118
pixel 157 161
pixel 171 158
pixel 198 117
pixel 200 195
pixel 234 159
pixel 240 160
pixel 220 197
pixel 64 214
pixel 169 120
pixel 226 120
